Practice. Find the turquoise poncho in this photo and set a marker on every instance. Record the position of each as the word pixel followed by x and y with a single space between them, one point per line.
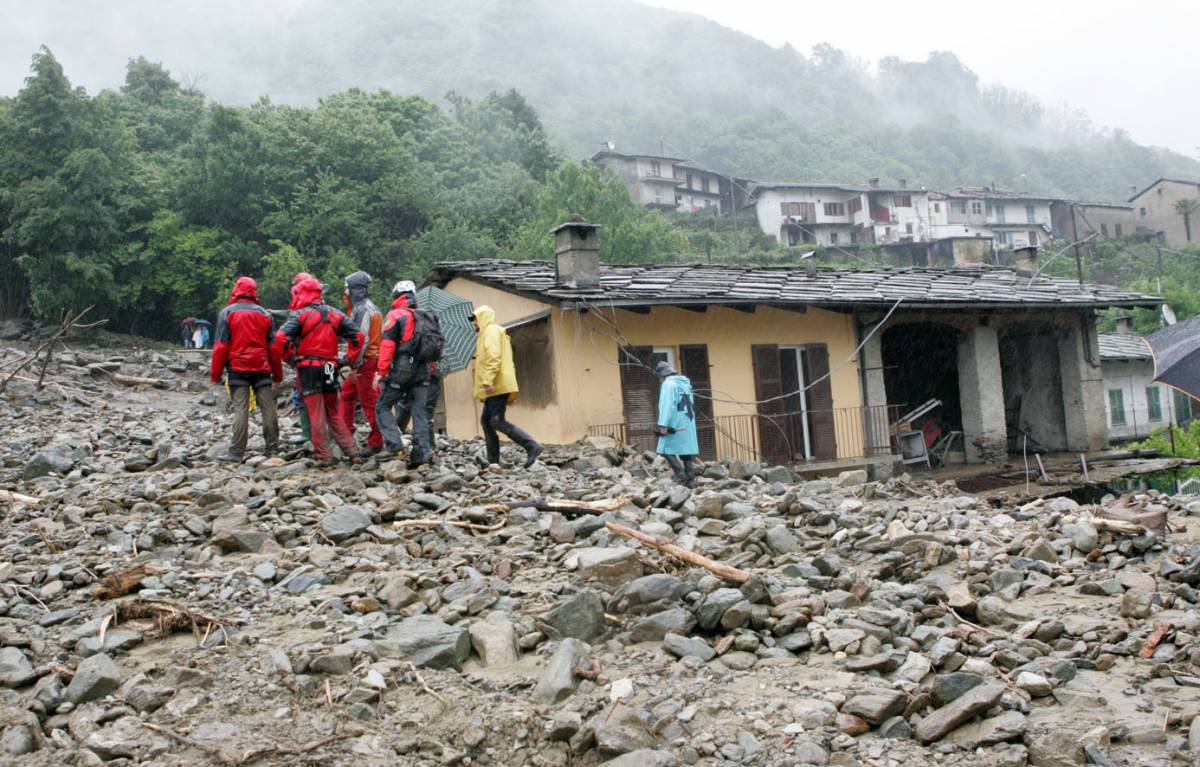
pixel 677 410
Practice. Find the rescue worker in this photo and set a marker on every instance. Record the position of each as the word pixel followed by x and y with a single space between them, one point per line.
pixel 403 382
pixel 359 388
pixel 314 330
pixel 243 354
pixel 677 440
pixel 496 386
pixel 297 398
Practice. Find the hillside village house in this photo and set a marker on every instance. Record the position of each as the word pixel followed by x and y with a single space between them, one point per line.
pixel 839 215
pixel 1135 404
pixel 1074 221
pixel 669 183
pixel 1010 219
pixel 1154 207
pixel 793 364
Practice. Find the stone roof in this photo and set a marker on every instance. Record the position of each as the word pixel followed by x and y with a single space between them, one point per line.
pixel 1123 346
pixel 679 284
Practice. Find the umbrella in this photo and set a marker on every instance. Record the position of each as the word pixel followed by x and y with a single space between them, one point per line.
pixel 454 314
pixel 1176 350
pixel 201 322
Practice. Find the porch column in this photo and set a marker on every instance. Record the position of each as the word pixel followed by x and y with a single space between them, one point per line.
pixel 981 391
pixel 872 360
pixel 1082 385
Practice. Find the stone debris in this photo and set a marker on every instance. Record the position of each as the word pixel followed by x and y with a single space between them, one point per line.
pixel 272 605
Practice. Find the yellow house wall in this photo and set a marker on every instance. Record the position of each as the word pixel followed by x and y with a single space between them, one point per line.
pixel 588 390
pixel 587 345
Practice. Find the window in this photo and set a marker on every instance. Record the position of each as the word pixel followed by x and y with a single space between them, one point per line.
pixel 855 205
pixel 937 207
pixel 655 168
pixel 976 207
pixel 1005 238
pixel 835 209
pixel 959 207
pixel 689 181
pixel 902 200
pixel 704 184
pixel 854 238
pixel 833 238
pixel 1153 403
pixel 664 354
pixel 1117 229
pixel 1104 229
pixel 1116 407
pixel 1030 215
pixel 908 228
pixel 1033 238
pixel 1000 214
pixel 1142 212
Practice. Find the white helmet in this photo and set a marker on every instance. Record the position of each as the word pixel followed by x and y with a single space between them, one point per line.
pixel 402 287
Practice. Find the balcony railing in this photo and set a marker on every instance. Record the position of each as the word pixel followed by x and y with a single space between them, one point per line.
pixel 858 432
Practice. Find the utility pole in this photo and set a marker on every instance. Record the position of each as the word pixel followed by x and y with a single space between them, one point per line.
pixel 1158 277
pixel 737 242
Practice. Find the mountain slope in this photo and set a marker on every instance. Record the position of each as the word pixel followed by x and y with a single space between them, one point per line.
pixel 651 79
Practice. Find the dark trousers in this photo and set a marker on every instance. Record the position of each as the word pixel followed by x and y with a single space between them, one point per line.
pixel 396 405
pixel 683 466
pixel 495 423
pixel 431 400
pixel 264 396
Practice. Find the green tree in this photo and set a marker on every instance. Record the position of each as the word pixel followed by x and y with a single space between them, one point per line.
pixel 1186 208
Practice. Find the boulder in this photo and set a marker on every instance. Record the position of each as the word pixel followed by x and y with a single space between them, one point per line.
pixel 580 617
pixel 655 627
pixel 683 647
pixel 558 677
pixel 495 640
pixel 94 678
pixel 427 640
pixel 345 522
pixel 15 668
pixel 610 566
pixel 876 704
pixel 970 704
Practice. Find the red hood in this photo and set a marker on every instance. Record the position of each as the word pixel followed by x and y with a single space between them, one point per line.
pixel 301 277
pixel 245 289
pixel 401 302
pixel 306 293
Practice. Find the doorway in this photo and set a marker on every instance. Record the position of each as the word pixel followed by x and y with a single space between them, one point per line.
pixel 793 375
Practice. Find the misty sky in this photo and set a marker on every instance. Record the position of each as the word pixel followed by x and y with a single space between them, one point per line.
pixel 1130 65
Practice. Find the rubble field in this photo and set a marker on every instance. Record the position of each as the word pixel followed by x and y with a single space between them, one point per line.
pixel 160 608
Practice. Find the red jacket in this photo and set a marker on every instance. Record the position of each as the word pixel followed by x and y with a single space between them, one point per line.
pixel 315 329
pixel 243 338
pixel 398 329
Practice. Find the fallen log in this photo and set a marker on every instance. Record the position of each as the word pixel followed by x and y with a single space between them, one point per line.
pixel 1152 641
pixel 129 380
pixel 727 572
pixel 1117 526
pixel 561 505
pixel 8 496
pixel 451 522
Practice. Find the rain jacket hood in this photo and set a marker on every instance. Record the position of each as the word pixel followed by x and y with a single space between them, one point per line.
pixel 307 292
pixel 357 286
pixel 493 358
pixel 245 289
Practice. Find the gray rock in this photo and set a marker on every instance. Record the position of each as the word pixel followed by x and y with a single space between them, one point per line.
pixel 1009 725
pixel 852 478
pixel 17 740
pixel 647 590
pixel 896 728
pixel 810 752
pixel 682 647
pixel 345 522
pixel 495 640
pixel 797 641
pixel 781 541
pixel 95 677
pixel 580 617
pixel 992 611
pixel 1035 684
pixel 947 687
pixel 714 606
pixel 558 678
pixel 1194 735
pixel 653 628
pixel 53 459
pixel 15 668
pixel 563 725
pixel 876 704
pixel 427 640
pixel 147 698
pixel 1054 748
pixel 1083 534
pixel 643 757
pixel 840 639
pixel 621 732
pixel 610 566
pixel 970 704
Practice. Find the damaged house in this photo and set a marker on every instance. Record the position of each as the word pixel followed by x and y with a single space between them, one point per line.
pixel 797 365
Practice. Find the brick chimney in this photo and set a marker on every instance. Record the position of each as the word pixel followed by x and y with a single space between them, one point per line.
pixel 903 183
pixel 1124 325
pixel 577 254
pixel 1026 259
pixel 873 183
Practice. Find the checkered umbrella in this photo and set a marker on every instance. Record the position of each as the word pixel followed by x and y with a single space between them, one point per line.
pixel 454 314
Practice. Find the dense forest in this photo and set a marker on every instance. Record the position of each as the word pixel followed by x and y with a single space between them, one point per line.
pixel 147 202
pixel 646 79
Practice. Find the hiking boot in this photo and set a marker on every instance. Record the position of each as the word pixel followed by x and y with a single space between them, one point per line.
pixel 418 459
pixel 230 458
pixel 532 454
pixel 327 463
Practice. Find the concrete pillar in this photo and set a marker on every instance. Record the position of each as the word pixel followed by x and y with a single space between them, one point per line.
pixel 1083 385
pixel 985 435
pixel 872 361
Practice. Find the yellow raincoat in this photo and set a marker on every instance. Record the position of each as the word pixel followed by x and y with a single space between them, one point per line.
pixel 493 358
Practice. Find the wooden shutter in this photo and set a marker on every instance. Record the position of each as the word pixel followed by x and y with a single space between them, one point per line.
pixel 820 404
pixel 772 436
pixel 639 395
pixel 693 363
